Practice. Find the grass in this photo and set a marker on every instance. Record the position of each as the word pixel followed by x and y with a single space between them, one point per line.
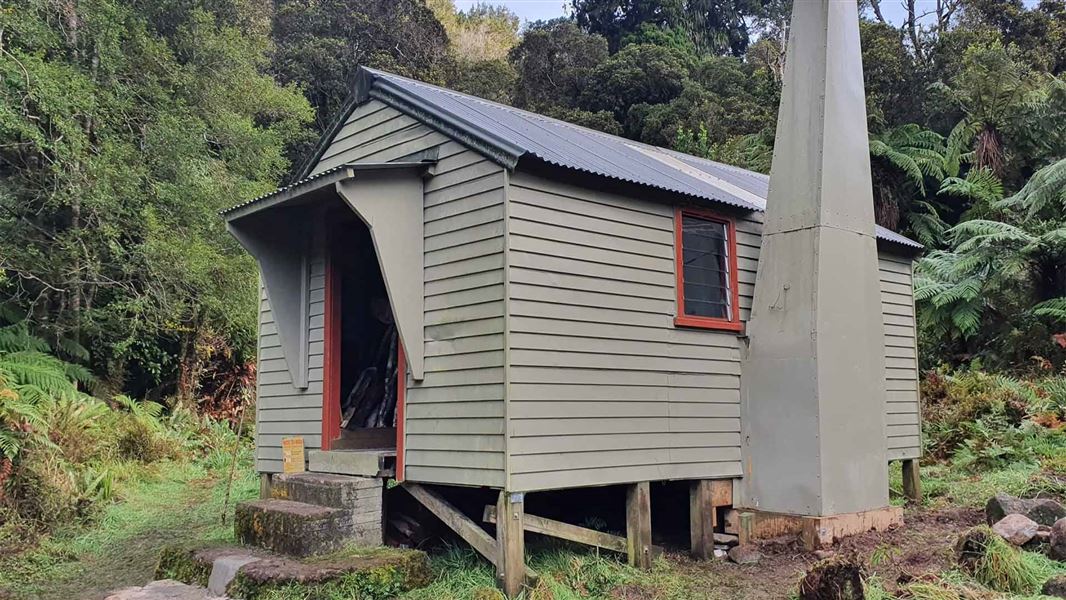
pixel 564 573
pixel 177 502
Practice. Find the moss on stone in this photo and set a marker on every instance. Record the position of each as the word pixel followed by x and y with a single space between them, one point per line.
pixel 354 576
pixel 180 564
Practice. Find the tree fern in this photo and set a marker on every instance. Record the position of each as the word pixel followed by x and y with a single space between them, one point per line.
pixel 1044 192
pixel 916 152
pixel 979 184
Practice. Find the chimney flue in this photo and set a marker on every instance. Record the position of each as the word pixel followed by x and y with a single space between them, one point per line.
pixel 814 376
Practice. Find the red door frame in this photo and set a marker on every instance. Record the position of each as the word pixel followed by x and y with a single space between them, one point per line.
pixel 331 363
pixel 331 376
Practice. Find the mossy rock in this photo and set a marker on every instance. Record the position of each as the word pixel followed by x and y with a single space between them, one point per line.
pixel 181 564
pixel 357 573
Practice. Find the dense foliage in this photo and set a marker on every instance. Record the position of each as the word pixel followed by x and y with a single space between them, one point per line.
pixel 125 126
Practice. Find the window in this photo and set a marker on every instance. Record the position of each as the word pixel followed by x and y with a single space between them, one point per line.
pixel 705 246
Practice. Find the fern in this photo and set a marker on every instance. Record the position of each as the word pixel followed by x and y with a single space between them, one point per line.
pixel 978 185
pixel 1054 308
pixel 1044 192
pixel 918 153
pixel 31 383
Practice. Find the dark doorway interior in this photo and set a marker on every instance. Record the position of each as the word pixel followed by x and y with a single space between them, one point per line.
pixel 368 342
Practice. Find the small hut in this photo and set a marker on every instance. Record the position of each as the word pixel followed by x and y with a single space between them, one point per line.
pixel 460 293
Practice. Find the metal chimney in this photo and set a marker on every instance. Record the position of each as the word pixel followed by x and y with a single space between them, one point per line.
pixel 814 376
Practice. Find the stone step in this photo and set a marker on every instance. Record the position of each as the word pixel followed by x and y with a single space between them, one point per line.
pixel 294 528
pixel 248 573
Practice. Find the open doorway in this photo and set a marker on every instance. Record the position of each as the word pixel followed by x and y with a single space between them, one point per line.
pixel 361 388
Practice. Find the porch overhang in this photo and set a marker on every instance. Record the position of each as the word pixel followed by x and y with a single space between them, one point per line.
pixel 277 230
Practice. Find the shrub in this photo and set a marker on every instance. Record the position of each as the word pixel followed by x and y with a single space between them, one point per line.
pixel 990 421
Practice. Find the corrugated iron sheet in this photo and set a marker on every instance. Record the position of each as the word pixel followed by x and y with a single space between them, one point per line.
pixel 574 147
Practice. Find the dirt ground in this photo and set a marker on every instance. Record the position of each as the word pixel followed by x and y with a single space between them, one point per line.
pixel 922 545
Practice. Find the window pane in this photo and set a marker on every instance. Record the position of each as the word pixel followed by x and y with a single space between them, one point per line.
pixel 705 254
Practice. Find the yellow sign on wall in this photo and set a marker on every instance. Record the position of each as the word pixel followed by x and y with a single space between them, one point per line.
pixel 292 455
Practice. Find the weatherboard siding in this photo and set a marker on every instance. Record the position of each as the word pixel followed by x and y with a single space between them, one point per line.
pixel 603 388
pixel 454 425
pixel 901 364
pixel 282 409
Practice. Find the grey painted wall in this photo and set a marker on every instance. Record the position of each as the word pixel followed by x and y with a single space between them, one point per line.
pixel 602 387
pixel 455 427
pixel 901 358
pixel 282 409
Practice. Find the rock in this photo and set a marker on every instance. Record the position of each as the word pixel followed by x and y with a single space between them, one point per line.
pixel 1001 505
pixel 745 555
pixel 833 579
pixel 1055 587
pixel 377 572
pixel 725 539
pixel 1016 529
pixel 824 554
pixel 166 589
pixel 1044 511
pixel 294 528
pixel 1057 541
pixel 486 593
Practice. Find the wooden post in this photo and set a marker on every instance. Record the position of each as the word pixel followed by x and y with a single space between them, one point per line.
pixel 701 519
pixel 638 524
pixel 510 543
pixel 745 528
pixel 912 481
pixel 264 486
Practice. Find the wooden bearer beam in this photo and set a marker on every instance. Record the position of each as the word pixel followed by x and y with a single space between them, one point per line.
pixel 638 524
pixel 462 525
pixel 566 531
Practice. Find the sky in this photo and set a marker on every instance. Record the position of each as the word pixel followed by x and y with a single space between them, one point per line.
pixel 533 10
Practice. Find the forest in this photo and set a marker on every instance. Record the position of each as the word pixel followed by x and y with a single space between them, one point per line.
pixel 127 125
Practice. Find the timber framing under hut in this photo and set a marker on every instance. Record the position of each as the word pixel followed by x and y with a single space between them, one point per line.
pixel 457 293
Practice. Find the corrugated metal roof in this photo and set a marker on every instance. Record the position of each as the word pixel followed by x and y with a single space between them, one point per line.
pixel 517 132
pixel 506 134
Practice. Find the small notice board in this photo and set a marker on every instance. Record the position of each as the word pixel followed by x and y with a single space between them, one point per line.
pixel 292 455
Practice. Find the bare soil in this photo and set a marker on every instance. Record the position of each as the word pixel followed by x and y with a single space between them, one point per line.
pixel 922 545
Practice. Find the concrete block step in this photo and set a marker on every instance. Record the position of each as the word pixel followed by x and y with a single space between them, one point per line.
pixel 362 463
pixel 293 528
pixel 361 494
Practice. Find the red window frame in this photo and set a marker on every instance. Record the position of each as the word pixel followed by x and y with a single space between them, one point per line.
pixel 686 320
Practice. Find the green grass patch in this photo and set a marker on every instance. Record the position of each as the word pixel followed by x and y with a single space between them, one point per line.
pixel 1001 567
pixel 171 502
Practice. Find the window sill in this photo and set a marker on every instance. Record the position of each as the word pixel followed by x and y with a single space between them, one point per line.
pixel 705 323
